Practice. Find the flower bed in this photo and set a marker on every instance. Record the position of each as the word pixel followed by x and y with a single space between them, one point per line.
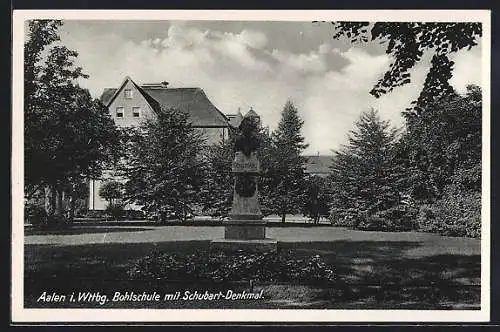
pixel 222 266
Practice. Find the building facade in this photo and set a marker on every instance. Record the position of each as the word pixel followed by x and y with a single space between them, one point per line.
pixel 130 104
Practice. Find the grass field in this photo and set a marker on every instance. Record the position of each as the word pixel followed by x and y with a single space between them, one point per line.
pixel 375 270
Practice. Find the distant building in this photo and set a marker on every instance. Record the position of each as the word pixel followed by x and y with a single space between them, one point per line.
pixel 235 119
pixel 318 165
pixel 130 104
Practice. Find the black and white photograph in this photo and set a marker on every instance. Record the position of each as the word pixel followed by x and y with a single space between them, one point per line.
pixel 297 166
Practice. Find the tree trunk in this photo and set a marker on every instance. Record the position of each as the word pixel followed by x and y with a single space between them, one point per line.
pixel 50 201
pixel 283 216
pixel 71 203
pixel 59 211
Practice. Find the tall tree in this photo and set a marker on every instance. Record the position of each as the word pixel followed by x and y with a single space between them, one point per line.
pixel 163 164
pixel 442 141
pixel 217 190
pixel 443 157
pixel 407 43
pixel 68 135
pixel 363 178
pixel 287 167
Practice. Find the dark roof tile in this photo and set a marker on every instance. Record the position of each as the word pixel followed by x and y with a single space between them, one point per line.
pixel 107 94
pixel 192 101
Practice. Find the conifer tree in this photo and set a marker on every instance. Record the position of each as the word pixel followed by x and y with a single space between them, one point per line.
pixel 364 173
pixel 286 174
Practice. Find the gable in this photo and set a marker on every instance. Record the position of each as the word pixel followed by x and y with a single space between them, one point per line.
pixel 156 98
pixel 126 102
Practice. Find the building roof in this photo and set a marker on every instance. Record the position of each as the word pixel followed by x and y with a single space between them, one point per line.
pixel 193 101
pixel 251 113
pixel 107 94
pixel 318 164
pixel 235 119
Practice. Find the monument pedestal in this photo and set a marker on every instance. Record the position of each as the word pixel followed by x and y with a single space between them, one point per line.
pixel 245 230
pixel 248 235
pixel 232 245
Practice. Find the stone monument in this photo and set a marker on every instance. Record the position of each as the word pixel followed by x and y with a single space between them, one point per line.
pixel 245 228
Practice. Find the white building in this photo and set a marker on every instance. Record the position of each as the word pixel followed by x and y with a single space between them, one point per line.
pixel 130 103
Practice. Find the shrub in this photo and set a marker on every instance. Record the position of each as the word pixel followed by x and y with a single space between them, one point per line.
pixel 456 214
pixel 81 212
pixel 373 223
pixel 397 218
pixel 35 214
pixel 115 211
pixel 95 214
pixel 221 266
pixel 344 218
pixel 134 214
pixel 56 222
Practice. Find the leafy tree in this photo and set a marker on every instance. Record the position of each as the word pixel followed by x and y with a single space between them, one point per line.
pixel 363 179
pixel 163 166
pixel 217 190
pixel 442 155
pixel 110 191
pixel 68 135
pixel 317 199
pixel 407 42
pixel 286 169
pixel 443 145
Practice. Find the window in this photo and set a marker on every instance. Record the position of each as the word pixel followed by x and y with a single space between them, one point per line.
pixel 119 112
pixel 136 112
pixel 128 94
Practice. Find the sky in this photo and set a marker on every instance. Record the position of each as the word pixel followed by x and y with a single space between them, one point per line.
pixel 260 65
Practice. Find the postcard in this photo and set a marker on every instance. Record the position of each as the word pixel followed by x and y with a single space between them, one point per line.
pixel 251 166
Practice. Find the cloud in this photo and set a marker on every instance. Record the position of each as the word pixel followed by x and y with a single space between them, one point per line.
pixel 330 87
pixel 182 36
pixel 254 39
pixel 311 62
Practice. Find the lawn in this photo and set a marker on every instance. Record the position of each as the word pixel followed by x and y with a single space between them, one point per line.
pixel 375 270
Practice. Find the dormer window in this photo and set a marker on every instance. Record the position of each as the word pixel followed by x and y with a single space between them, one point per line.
pixel 128 94
pixel 119 112
pixel 136 112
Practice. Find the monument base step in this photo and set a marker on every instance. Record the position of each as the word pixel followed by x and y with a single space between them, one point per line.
pixel 261 245
pixel 247 230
